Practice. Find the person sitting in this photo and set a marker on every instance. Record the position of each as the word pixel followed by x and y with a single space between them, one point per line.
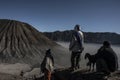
pixel 107 60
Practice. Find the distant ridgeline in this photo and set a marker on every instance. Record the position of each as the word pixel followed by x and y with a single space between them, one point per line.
pixel 90 37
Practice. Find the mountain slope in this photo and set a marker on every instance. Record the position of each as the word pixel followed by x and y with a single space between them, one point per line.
pixel 20 42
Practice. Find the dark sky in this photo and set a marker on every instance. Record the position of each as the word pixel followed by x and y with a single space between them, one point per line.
pixel 51 15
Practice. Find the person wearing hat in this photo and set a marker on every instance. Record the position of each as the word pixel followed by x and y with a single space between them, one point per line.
pixel 76 47
pixel 106 59
pixel 47 65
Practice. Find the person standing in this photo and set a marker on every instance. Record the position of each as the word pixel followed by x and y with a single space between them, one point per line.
pixel 76 47
pixel 47 65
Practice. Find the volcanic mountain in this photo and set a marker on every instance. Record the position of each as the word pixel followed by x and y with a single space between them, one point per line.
pixel 20 42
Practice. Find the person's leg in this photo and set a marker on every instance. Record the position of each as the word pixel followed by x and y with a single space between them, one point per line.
pixel 78 59
pixel 72 59
pixel 47 75
pixel 93 65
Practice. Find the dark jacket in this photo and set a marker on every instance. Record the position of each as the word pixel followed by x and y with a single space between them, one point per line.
pixel 109 56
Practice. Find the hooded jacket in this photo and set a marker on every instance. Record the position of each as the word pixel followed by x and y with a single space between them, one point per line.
pixel 76 43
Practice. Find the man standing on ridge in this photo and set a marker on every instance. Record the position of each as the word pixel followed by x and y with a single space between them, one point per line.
pixel 76 46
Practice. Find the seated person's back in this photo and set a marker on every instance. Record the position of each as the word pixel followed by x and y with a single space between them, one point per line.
pixel 107 54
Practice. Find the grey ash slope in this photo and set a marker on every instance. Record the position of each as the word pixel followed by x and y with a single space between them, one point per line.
pixel 20 42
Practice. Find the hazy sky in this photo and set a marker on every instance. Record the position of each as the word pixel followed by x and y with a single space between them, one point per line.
pixel 51 15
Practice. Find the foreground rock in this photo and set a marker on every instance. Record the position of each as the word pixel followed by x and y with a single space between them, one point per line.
pixel 14 69
pixel 66 74
pixel 4 76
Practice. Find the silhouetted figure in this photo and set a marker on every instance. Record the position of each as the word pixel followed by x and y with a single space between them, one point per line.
pixel 107 60
pixel 91 62
pixel 47 65
pixel 76 46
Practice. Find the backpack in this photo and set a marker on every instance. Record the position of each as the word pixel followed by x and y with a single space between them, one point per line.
pixel 78 38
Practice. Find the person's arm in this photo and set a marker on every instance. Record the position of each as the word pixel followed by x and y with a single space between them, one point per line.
pixel 72 42
pixel 43 64
pixel 83 40
pixel 52 60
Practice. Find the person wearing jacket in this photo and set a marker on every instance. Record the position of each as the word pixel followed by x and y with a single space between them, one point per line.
pixel 76 47
pixel 47 65
pixel 106 59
